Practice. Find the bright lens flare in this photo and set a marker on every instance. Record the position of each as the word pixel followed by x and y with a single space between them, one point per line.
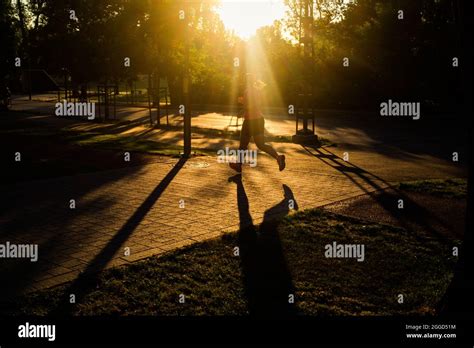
pixel 244 17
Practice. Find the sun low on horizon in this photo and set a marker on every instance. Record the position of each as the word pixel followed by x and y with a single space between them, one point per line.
pixel 244 17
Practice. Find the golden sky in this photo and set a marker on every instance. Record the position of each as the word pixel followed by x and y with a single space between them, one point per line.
pixel 244 17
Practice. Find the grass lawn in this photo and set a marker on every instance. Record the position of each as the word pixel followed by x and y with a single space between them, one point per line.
pixel 450 188
pixel 127 143
pixel 287 258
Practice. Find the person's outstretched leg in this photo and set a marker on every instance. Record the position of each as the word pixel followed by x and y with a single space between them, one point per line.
pixel 244 143
pixel 260 142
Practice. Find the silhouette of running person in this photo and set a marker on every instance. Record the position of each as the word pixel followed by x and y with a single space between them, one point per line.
pixel 254 122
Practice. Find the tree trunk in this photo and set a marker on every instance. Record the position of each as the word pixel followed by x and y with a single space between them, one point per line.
pixel 25 44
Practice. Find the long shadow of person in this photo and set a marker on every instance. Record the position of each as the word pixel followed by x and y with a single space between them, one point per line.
pixel 268 284
pixel 82 285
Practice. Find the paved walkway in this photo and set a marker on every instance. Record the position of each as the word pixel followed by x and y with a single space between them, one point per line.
pixel 139 207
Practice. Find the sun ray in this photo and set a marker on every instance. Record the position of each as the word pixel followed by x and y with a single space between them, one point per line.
pixel 258 63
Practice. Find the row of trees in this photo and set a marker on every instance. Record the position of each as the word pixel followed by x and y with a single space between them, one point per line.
pixel 365 50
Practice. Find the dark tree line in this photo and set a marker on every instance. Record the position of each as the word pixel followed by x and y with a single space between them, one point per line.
pixel 409 58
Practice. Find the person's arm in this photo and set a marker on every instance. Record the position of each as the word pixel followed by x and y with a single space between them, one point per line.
pixel 243 99
pixel 258 99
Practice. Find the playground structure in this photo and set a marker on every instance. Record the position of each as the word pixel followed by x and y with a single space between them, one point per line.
pixel 51 88
pixel 106 96
pixel 66 84
pixel 155 94
pixel 71 91
pixel 36 81
pixel 239 114
pixel 305 112
pixel 134 92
